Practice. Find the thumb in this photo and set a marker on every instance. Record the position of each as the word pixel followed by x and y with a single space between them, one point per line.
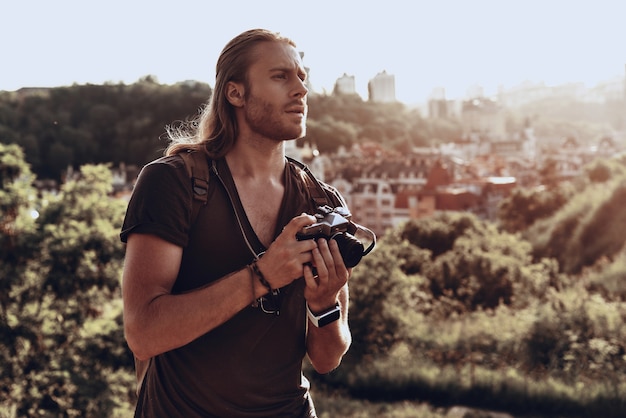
pixel 299 222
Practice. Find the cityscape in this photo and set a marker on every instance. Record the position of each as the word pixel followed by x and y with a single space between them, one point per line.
pixel 472 174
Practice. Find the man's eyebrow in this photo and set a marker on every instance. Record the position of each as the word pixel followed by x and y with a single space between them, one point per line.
pixel 286 69
pixel 281 68
pixel 298 69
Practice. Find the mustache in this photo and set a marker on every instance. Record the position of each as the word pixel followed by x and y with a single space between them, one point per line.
pixel 297 106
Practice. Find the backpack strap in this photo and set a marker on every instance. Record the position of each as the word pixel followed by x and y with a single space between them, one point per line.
pixel 197 168
pixel 316 192
pixel 198 171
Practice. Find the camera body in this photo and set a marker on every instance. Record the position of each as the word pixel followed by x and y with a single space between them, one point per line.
pixel 334 223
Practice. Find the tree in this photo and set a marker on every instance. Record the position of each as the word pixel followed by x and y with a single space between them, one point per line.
pixel 438 234
pixel 589 226
pixel 91 124
pixel 62 345
pixel 523 207
pixel 602 170
pixel 473 265
pixel 328 134
pixel 549 173
pixel 451 264
pixel 374 324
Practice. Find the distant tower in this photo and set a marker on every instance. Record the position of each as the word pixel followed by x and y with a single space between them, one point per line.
pixel 484 117
pixel 437 104
pixel 345 85
pixel 382 88
pixel 475 92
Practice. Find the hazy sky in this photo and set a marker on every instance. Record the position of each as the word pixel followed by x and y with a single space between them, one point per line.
pixel 454 44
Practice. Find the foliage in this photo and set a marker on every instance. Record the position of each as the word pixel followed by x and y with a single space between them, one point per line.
pixel 370 316
pixel 328 134
pixel 330 403
pixel 577 222
pixel 475 266
pixel 390 124
pixel 91 124
pixel 438 234
pixel 523 207
pixel 114 123
pixel 452 264
pixel 603 170
pixel 422 335
pixel 606 277
pixel 16 200
pixel 561 357
pixel 588 227
pixel 62 346
pixel 452 310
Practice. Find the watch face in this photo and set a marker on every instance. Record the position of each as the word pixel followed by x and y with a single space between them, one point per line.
pixel 329 317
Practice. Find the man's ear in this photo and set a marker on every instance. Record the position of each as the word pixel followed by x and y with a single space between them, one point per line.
pixel 235 93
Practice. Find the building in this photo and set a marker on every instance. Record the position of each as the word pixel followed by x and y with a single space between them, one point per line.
pixel 523 94
pixel 484 117
pixel 382 88
pixel 374 201
pixel 345 85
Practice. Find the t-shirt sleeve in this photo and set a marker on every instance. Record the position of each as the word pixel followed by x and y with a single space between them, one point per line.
pixel 161 202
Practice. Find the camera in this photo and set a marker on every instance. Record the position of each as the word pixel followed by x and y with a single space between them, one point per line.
pixel 335 223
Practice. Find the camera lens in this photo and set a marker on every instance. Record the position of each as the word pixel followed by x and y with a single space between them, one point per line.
pixel 351 249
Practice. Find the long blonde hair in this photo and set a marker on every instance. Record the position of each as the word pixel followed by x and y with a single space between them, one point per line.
pixel 215 129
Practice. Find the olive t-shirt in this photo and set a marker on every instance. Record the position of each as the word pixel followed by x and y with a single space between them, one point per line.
pixel 251 366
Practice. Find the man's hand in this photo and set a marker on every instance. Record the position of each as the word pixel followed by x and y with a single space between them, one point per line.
pixel 322 289
pixel 283 261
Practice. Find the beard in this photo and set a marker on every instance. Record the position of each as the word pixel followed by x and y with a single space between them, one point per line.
pixel 267 120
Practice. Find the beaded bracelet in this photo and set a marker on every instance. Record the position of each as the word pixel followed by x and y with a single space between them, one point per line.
pixel 273 293
pixel 257 272
pixel 255 303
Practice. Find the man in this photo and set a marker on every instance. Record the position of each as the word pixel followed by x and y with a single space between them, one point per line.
pixel 228 306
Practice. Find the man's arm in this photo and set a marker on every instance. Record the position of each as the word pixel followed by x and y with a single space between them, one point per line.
pixel 327 345
pixel 156 321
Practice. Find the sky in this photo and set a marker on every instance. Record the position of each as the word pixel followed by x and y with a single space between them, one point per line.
pixel 426 45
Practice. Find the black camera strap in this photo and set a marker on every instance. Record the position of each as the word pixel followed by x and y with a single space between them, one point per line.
pixel 316 192
pixel 320 198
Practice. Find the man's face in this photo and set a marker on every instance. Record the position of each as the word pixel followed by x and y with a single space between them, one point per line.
pixel 275 99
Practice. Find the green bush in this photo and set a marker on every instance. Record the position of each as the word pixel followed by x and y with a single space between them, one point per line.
pixel 589 226
pixel 62 348
pixel 482 324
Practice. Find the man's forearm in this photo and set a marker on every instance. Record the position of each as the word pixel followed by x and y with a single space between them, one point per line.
pixel 171 321
pixel 327 345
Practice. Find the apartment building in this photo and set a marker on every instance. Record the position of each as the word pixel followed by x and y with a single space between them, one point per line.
pixel 382 88
pixel 345 84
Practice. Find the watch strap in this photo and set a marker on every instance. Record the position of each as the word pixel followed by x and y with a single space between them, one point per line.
pixel 324 318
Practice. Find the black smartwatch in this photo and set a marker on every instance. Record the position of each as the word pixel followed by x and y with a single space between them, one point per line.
pixel 325 317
